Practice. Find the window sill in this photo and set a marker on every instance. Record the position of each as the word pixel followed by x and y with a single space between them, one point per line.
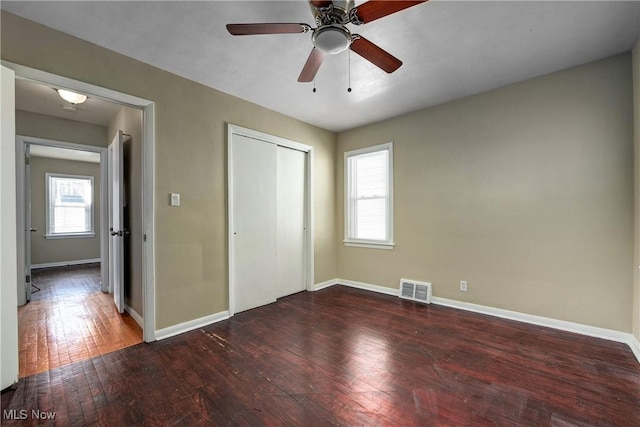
pixel 368 244
pixel 69 236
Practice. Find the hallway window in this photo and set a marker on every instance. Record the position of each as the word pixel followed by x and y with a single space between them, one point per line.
pixel 69 205
pixel 368 201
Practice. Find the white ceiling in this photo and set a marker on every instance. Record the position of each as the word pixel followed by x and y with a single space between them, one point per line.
pixel 450 49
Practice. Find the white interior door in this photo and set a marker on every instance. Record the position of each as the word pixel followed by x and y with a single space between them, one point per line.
pixel 9 266
pixel 27 220
pixel 253 269
pixel 290 277
pixel 116 221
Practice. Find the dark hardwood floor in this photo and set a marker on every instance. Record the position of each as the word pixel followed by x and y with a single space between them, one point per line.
pixel 348 357
pixel 69 319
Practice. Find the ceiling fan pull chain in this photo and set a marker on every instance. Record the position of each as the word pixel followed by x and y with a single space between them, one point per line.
pixel 314 85
pixel 349 62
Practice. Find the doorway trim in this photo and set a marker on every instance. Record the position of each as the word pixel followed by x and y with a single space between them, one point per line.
pixel 148 172
pixel 308 204
pixel 21 142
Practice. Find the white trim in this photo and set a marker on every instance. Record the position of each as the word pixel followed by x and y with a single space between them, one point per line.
pixel 191 325
pixel 368 244
pixel 369 287
pixel 62 82
pixel 134 314
pixel 48 176
pixel 308 209
pixel 148 222
pixel 325 284
pixel 148 172
pixel 255 134
pixel 563 325
pixel 104 221
pixel 21 209
pixel 65 263
pixel 69 236
pixel 21 142
pixel 634 345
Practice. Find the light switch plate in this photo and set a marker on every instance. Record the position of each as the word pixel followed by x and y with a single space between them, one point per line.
pixel 175 199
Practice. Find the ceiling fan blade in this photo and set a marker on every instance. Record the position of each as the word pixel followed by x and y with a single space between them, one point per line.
pixel 251 29
pixel 375 54
pixel 312 66
pixel 375 9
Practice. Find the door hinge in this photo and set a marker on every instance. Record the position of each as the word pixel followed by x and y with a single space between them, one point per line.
pixel 144 237
pixel 27 279
pixel 27 160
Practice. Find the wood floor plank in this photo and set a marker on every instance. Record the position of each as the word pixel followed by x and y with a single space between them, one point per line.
pixel 69 319
pixel 342 356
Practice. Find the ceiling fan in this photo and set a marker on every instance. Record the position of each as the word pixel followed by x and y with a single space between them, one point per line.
pixel 331 35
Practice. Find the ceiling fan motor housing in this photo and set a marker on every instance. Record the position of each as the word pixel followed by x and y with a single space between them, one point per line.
pixel 336 12
pixel 331 39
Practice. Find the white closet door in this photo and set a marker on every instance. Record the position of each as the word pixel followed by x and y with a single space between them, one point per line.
pixel 254 166
pixel 290 222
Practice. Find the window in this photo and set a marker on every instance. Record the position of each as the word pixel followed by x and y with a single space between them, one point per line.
pixel 69 205
pixel 368 197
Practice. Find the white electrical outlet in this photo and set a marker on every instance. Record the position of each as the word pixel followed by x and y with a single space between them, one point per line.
pixel 175 199
pixel 463 285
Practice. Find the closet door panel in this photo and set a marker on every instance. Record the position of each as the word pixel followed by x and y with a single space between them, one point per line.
pixel 254 222
pixel 290 276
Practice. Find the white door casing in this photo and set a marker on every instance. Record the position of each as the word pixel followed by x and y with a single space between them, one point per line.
pixel 23 187
pixel 148 172
pixel 28 229
pixel 116 220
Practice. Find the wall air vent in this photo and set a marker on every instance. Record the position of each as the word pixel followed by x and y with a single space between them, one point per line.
pixel 415 291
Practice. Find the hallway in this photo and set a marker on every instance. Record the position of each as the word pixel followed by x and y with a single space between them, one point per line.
pixel 69 319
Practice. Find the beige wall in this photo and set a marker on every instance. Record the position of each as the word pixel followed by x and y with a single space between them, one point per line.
pixel 190 158
pixel 526 192
pixel 43 250
pixel 636 116
pixel 129 121
pixel 58 129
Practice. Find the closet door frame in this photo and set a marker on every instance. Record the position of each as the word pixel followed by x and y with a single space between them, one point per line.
pixel 233 130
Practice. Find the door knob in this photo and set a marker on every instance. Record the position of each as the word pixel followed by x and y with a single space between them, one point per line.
pixel 116 233
pixel 33 230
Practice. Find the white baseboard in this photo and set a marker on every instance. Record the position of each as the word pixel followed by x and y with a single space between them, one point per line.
pixel 191 325
pixel 578 328
pixel 368 287
pixel 563 325
pixel 323 285
pixel 134 314
pixel 634 345
pixel 65 263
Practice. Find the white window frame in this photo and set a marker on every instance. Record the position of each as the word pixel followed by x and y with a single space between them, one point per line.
pixel 49 234
pixel 349 201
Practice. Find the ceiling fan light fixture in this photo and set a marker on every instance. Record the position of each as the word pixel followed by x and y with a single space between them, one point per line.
pixel 331 39
pixel 72 97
